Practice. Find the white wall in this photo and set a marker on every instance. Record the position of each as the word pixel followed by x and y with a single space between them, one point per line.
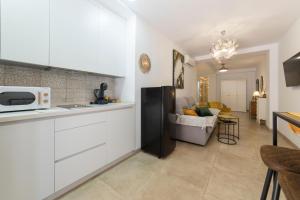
pixel 262 70
pixel 273 84
pixel 212 87
pixel 160 50
pixel 289 97
pixel 125 87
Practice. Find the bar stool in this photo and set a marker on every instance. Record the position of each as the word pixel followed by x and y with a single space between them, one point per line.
pixel 290 183
pixel 278 159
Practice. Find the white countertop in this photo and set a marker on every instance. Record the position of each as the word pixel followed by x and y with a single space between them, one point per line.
pixel 59 112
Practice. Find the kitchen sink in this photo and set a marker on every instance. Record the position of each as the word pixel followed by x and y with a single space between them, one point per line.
pixel 74 106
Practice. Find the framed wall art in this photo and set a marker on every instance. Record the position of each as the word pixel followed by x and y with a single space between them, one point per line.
pixel 178 70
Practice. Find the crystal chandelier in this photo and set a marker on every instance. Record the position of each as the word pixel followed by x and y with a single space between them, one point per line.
pixel 223 48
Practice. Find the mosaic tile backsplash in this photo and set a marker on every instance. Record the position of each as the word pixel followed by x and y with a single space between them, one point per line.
pixel 67 87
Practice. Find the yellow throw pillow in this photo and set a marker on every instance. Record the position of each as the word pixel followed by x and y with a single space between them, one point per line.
pixel 190 112
pixel 194 107
pixel 215 104
pixel 294 128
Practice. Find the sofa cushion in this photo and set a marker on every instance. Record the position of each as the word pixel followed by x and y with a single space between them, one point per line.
pixel 215 104
pixel 203 111
pixel 220 106
pixel 215 111
pixel 190 112
pixel 197 121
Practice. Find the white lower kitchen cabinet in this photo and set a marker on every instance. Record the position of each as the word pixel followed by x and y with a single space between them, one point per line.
pixel 42 158
pixel 121 138
pixel 76 167
pixel 27 160
pixel 80 147
pixel 83 148
pixel 73 141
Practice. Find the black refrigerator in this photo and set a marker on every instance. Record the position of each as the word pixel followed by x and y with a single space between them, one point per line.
pixel 158 120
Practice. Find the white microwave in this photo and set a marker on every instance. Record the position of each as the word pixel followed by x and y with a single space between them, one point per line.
pixel 24 98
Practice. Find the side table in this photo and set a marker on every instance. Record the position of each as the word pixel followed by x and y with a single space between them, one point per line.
pixel 227 137
pixel 234 119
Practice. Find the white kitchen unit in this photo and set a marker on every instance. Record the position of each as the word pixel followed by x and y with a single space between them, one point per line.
pixel 27 160
pixel 75 140
pixel 46 158
pixel 76 167
pixel 75 35
pixel 88 37
pixel 25 31
pixel 89 142
pixel 121 138
pixel 113 43
pixel 85 143
pixel 81 142
pixel 261 110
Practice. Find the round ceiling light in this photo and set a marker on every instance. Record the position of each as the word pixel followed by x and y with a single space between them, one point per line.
pixel 223 68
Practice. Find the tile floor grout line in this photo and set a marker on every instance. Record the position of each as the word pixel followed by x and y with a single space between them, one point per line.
pixel 211 174
pixel 112 189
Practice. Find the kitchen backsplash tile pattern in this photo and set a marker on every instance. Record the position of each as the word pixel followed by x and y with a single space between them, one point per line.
pixel 67 87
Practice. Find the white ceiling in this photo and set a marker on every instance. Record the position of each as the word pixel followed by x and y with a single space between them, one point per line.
pixel 194 24
pixel 241 61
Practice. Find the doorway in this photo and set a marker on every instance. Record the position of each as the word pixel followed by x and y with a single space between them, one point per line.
pixel 234 94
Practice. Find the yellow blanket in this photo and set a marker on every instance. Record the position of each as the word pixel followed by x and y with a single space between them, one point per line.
pixel 294 128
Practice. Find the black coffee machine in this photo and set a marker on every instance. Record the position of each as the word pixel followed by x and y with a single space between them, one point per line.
pixel 99 94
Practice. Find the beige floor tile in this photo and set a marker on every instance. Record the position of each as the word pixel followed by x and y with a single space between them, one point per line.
pixel 230 185
pixel 168 188
pixel 214 172
pixel 93 190
pixel 194 154
pixel 238 166
pixel 127 177
pixel 150 162
pixel 193 173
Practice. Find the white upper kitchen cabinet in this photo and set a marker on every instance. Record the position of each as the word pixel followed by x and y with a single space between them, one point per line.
pixel 75 34
pixel 25 31
pixel 27 160
pixel 113 43
pixel 88 37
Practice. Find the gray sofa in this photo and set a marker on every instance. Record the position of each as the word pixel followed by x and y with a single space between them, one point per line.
pixel 193 129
